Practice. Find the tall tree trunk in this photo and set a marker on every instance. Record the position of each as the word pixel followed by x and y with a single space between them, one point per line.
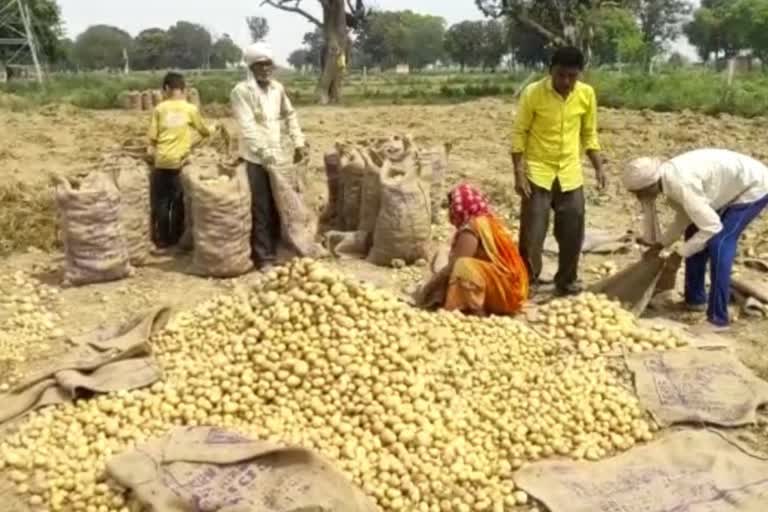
pixel 335 34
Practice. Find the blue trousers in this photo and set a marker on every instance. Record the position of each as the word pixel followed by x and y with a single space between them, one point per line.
pixel 720 252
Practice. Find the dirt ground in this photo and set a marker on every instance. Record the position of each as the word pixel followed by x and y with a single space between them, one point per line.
pixel 67 140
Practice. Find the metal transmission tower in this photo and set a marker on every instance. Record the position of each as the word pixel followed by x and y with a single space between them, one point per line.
pixel 16 21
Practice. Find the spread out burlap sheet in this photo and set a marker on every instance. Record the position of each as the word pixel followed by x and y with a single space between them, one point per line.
pixel 686 471
pixel 697 386
pixel 208 469
pixel 105 360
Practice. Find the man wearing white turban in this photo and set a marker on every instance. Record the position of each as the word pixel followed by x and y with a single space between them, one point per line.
pixel 715 194
pixel 260 106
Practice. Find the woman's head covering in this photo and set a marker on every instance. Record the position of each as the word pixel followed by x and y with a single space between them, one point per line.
pixel 641 173
pixel 466 203
pixel 258 52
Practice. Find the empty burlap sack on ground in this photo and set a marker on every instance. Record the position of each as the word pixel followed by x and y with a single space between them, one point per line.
pixel 132 178
pixel 404 225
pixel 221 223
pixel 690 471
pixel 351 173
pixel 95 248
pixel 597 241
pixel 111 359
pixel 298 223
pixel 697 386
pixel 208 469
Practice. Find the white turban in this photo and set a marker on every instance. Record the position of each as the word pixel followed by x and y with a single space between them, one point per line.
pixel 641 173
pixel 258 52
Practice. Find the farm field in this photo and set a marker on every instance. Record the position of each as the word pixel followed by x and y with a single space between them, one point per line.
pixel 42 136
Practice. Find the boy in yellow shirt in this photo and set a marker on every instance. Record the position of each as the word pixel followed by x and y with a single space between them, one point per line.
pixel 170 137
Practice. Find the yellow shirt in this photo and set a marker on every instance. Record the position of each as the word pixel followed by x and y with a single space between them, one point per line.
pixel 171 132
pixel 553 132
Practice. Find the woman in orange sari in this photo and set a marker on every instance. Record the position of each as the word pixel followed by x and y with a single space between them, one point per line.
pixel 485 274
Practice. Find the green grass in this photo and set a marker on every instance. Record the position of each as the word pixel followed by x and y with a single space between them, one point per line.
pixel 692 89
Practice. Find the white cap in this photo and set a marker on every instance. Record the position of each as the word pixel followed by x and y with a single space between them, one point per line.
pixel 258 52
pixel 641 173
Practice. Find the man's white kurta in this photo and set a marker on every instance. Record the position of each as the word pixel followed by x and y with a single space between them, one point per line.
pixel 260 113
pixel 700 184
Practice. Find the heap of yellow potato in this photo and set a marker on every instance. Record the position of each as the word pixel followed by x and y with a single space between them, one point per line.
pixel 424 411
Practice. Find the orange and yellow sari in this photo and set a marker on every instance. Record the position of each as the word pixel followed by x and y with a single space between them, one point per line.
pixel 495 281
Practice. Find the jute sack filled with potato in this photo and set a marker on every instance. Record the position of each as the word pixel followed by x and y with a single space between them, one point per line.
pixel 94 244
pixel 131 176
pixel 351 172
pixel 221 222
pixel 404 224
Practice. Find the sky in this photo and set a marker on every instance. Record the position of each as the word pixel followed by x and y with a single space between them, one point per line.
pixel 228 17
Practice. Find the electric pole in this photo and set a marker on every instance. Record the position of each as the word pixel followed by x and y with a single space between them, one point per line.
pixel 16 21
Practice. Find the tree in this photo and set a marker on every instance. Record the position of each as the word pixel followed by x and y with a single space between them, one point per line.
pixel 258 27
pixel 660 22
pixel 64 58
pixel 313 42
pixel 299 58
pixel 47 30
pixel 493 45
pixel 617 30
pixel 389 38
pixel 189 46
pixel 102 46
pixel 558 22
pixel 463 42
pixel 723 27
pixel 338 18
pixel 225 52
pixel 151 50
pixel 528 46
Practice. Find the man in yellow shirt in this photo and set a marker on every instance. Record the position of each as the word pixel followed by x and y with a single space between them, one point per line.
pixel 556 122
pixel 170 137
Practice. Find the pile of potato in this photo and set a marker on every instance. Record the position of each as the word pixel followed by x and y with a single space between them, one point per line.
pixel 27 323
pixel 596 325
pixel 425 411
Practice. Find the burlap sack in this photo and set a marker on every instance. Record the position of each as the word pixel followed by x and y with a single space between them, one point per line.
pixel 134 100
pixel 348 244
pixel 351 173
pixel 434 163
pixel 193 96
pixel 102 361
pixel 697 386
pixel 157 97
pixel 146 100
pixel 131 176
pixel 95 249
pixel 635 286
pixel 404 226
pixel 375 168
pixel 202 164
pixel 207 469
pixel 298 224
pixel 331 216
pixel 221 223
pixel 688 471
pixel 597 241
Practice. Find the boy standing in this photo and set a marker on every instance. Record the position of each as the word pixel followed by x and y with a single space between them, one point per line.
pixel 170 137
